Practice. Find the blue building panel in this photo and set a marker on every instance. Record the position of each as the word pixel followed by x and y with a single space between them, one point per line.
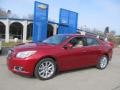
pixel 67 22
pixel 40 21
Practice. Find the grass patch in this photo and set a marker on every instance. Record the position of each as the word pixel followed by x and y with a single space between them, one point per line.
pixel 10 44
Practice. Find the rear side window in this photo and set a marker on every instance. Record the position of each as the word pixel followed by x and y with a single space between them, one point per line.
pixel 91 41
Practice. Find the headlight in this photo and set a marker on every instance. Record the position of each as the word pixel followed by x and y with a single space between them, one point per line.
pixel 25 54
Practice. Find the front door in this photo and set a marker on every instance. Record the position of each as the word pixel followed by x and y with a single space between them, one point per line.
pixel 74 57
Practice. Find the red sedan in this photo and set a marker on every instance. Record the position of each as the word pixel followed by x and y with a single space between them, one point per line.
pixel 59 53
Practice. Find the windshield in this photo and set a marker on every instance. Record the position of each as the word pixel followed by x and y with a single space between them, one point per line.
pixel 56 39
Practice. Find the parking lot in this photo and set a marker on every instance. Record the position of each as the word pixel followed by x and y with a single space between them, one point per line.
pixel 83 79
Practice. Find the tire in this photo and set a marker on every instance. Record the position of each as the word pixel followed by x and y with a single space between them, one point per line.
pixel 103 62
pixel 45 69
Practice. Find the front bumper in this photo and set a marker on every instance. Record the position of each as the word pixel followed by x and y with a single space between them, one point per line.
pixel 21 66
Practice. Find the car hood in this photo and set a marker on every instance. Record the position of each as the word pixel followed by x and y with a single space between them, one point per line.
pixel 33 46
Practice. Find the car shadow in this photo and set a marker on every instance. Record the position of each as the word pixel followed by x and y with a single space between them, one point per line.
pixel 75 70
pixel 58 73
pixel 24 76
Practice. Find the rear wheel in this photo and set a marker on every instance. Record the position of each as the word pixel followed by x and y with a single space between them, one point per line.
pixel 45 69
pixel 103 62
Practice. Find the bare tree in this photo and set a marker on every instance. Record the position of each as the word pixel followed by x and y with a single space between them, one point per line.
pixel 3 13
pixel 30 16
pixel 14 16
pixel 113 32
pixel 7 14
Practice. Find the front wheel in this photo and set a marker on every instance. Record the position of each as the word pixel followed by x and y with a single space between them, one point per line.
pixel 103 62
pixel 45 69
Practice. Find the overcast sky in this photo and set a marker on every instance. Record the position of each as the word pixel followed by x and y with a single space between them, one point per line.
pixel 92 13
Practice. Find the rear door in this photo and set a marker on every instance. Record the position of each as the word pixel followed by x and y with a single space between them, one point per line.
pixel 92 49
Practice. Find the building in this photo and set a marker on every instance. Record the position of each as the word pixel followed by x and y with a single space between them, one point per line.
pixel 11 28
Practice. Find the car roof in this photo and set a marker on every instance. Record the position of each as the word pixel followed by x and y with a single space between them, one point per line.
pixel 73 35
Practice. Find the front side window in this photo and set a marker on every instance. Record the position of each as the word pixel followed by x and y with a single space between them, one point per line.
pixel 91 41
pixel 56 39
pixel 77 42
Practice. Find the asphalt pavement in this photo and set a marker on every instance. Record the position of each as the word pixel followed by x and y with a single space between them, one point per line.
pixel 82 79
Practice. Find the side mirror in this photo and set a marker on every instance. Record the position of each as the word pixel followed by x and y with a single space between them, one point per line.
pixel 69 45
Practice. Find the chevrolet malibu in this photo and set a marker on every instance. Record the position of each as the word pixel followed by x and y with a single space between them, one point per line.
pixel 59 53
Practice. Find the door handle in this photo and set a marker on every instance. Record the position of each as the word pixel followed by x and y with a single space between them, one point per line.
pixel 84 51
pixel 99 49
